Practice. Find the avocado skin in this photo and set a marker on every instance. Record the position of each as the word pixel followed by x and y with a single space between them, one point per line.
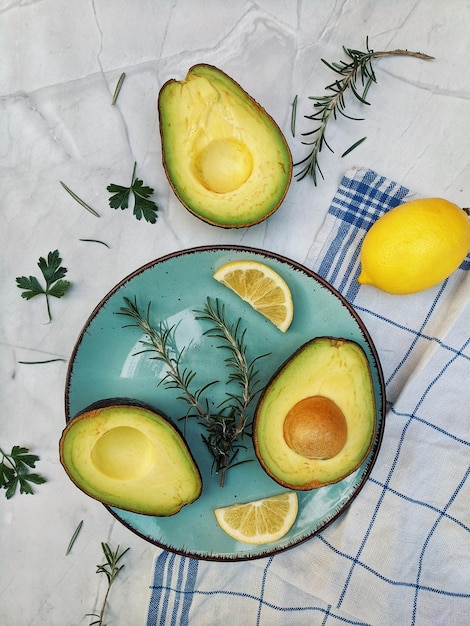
pixel 333 367
pixel 264 190
pixel 155 499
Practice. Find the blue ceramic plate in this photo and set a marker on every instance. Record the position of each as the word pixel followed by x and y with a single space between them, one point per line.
pixel 105 364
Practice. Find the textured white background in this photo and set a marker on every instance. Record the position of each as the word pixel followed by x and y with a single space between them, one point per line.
pixel 60 64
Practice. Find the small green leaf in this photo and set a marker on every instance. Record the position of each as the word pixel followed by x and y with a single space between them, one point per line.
pixel 143 206
pixel 14 471
pixel 118 88
pixel 120 199
pixel 79 200
pixel 30 285
pixel 353 147
pixel 53 274
pixel 74 537
pixel 59 289
pixel 96 241
pixel 293 116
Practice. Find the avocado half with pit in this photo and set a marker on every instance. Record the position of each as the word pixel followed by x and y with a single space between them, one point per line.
pixel 129 456
pixel 315 421
pixel 224 156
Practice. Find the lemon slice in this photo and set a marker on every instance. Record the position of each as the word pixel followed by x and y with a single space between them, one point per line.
pixel 260 521
pixel 260 286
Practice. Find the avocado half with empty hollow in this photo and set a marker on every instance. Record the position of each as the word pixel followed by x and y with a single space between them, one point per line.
pixel 129 456
pixel 224 156
pixel 315 421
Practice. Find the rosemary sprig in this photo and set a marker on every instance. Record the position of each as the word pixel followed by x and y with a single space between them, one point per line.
pixel 242 370
pixel 357 76
pixel 162 345
pixel 226 429
pixel 226 424
pixel 111 569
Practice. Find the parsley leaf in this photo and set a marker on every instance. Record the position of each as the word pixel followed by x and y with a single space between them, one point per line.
pixel 14 471
pixel 53 274
pixel 143 207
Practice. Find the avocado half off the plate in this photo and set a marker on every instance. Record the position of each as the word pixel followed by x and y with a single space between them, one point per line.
pixel 128 455
pixel 315 421
pixel 224 156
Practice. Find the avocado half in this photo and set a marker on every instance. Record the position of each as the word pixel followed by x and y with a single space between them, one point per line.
pixel 129 456
pixel 224 156
pixel 315 421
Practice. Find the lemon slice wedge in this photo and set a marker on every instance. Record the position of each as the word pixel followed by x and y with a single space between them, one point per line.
pixel 260 521
pixel 260 286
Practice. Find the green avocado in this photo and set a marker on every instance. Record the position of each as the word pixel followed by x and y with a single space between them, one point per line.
pixel 224 156
pixel 315 421
pixel 129 456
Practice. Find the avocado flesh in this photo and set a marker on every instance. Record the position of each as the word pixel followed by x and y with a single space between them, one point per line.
pixel 132 458
pixel 224 156
pixel 332 368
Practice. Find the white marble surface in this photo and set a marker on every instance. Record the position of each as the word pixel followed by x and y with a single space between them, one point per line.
pixel 60 64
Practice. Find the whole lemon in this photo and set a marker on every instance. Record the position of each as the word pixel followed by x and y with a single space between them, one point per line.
pixel 415 246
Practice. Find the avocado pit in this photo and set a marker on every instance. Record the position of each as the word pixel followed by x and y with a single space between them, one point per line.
pixel 315 428
pixel 223 165
pixel 123 453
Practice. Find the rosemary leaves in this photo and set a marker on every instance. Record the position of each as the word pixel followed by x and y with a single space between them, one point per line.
pixel 356 76
pixel 226 424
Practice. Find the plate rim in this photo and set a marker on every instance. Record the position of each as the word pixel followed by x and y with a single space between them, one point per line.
pixel 380 408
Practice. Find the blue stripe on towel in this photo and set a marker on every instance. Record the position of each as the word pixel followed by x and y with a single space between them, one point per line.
pixel 175 579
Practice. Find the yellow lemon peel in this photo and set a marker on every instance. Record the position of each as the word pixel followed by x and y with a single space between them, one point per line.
pixel 415 246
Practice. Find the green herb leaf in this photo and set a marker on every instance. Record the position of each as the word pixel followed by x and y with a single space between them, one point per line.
pixel 293 115
pixel 120 199
pixel 79 200
pixel 30 285
pixel 53 274
pixel 40 362
pixel 103 243
pixel 74 537
pixel 143 207
pixel 353 147
pixel 118 88
pixel 14 471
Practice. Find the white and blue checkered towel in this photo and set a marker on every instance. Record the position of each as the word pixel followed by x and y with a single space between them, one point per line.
pixel 400 554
